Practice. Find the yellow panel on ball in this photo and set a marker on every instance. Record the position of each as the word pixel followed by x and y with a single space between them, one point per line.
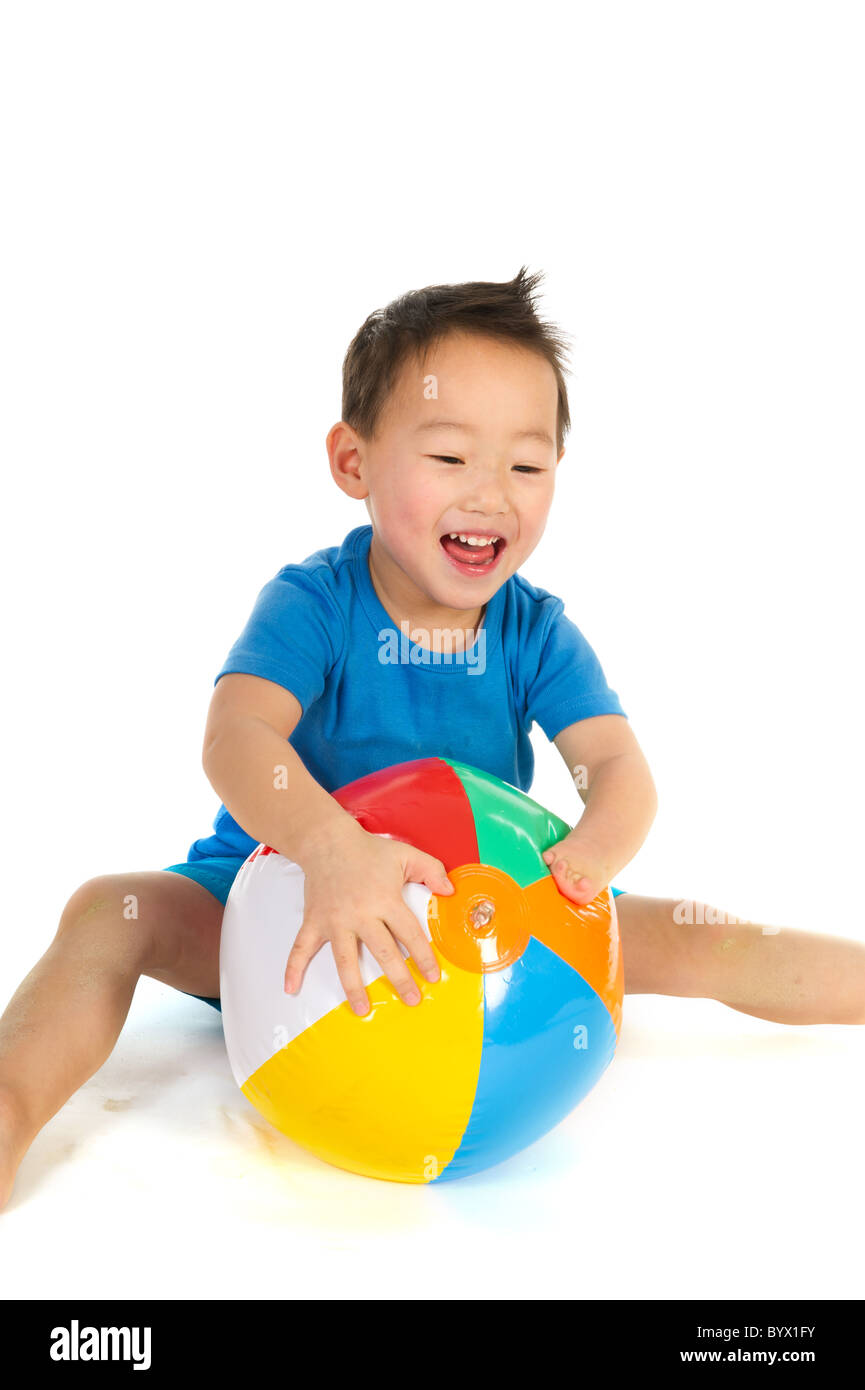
pixel 388 1095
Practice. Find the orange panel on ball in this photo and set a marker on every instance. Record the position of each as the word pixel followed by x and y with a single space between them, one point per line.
pixel 586 937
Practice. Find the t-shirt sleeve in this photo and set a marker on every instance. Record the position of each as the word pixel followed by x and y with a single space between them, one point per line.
pixel 292 637
pixel 565 682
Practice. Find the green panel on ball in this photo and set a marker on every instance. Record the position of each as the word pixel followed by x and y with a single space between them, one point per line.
pixel 512 829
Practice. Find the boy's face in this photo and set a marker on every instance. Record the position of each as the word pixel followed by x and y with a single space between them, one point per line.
pixel 459 451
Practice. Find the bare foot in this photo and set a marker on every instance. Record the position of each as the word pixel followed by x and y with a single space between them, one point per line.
pixel 13 1144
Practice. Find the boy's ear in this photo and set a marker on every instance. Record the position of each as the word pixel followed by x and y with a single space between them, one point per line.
pixel 346 465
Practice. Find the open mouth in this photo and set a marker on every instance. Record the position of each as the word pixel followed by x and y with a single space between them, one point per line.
pixel 471 552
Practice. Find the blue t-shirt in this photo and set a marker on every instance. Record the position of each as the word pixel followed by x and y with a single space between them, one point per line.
pixel 371 698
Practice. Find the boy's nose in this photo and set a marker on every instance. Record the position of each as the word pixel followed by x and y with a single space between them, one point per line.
pixel 487 498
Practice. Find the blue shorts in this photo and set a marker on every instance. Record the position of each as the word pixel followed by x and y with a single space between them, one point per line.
pixel 217 875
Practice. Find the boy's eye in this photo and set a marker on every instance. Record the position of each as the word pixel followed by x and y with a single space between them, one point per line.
pixel 519 467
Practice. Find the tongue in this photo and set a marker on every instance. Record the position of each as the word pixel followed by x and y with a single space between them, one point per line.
pixel 469 554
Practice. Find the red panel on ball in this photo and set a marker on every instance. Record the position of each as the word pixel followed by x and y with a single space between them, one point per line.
pixel 420 802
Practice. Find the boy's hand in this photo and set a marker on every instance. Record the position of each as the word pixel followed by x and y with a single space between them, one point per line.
pixel 578 869
pixel 352 893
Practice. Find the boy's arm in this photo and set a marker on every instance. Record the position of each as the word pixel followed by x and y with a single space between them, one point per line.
pixel 259 777
pixel 354 880
pixel 613 778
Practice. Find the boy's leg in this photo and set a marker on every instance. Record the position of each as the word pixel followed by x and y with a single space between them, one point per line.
pixel 64 1019
pixel 779 973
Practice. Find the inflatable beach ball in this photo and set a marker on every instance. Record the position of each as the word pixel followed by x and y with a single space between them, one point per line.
pixel 520 1026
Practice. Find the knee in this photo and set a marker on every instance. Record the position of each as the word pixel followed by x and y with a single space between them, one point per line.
pixel 106 906
pixel 716 944
pixel 700 940
pixel 95 898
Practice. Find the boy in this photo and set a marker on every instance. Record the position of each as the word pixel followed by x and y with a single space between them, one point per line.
pixel 454 416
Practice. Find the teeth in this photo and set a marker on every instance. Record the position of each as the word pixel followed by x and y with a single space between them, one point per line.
pixel 473 540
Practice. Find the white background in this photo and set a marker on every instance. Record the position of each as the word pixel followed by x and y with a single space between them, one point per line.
pixel 202 203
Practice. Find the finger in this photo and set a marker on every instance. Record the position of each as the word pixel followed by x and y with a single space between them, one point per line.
pixel 564 868
pixel 307 942
pixel 406 928
pixel 345 954
pixel 574 885
pixel 554 855
pixel 379 941
pixel 424 868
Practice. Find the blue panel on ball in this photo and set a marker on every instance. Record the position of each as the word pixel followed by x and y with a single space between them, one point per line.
pixel 548 1037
